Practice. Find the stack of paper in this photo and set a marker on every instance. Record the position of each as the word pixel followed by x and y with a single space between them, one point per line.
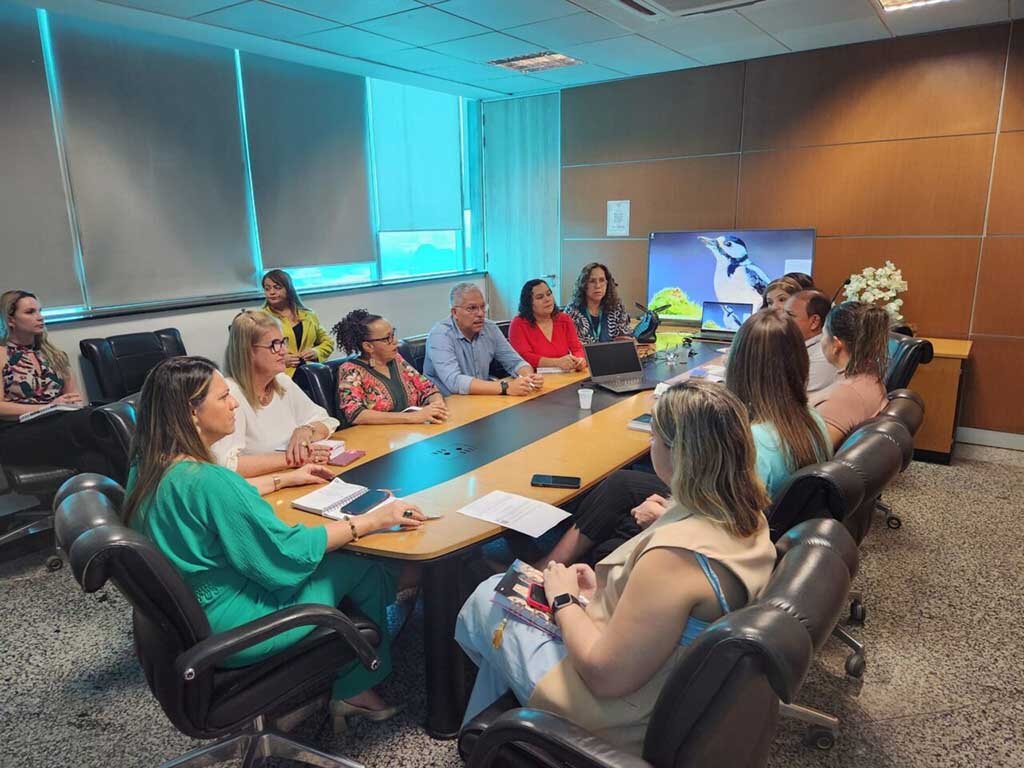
pixel 519 513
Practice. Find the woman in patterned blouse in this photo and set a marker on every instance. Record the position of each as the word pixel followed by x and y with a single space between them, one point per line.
pixel 36 374
pixel 595 308
pixel 378 386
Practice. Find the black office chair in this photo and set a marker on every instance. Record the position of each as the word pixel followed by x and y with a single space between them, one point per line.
pixel 122 362
pixel 40 483
pixel 182 659
pixel 414 351
pixel 906 406
pixel 903 361
pixel 114 427
pixel 503 326
pixel 320 382
pixel 729 682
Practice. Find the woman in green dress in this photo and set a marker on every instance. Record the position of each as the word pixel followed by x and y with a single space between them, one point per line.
pixel 238 558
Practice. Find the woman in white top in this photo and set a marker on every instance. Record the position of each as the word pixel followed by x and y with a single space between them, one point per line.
pixel 276 424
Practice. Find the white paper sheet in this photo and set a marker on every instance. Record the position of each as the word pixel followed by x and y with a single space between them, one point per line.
pixel 546 371
pixel 519 513
pixel 618 218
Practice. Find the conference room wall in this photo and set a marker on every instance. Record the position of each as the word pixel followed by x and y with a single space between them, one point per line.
pixel 412 308
pixel 906 149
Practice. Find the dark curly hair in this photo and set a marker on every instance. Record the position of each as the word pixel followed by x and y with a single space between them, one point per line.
pixel 353 330
pixel 579 295
pixel 526 300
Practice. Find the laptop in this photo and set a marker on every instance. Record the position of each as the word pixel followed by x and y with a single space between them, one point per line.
pixel 615 365
pixel 720 320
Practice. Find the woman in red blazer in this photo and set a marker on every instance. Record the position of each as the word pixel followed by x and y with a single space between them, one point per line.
pixel 542 334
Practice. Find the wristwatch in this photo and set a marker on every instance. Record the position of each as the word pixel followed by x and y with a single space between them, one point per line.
pixel 504 386
pixel 562 600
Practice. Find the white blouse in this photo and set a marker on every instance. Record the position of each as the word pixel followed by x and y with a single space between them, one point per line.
pixel 270 428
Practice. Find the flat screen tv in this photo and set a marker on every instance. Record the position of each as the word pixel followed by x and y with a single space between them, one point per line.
pixel 685 269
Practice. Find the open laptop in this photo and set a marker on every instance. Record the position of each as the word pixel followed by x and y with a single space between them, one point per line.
pixel 719 320
pixel 615 365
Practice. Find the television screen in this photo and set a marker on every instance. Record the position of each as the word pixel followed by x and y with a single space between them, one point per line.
pixel 685 269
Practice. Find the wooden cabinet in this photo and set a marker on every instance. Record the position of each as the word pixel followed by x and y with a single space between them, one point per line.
pixel 939 384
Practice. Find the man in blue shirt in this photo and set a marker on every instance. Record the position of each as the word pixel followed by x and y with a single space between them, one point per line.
pixel 460 350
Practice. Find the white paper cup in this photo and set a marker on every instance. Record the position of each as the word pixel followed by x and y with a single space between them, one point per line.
pixel 586 398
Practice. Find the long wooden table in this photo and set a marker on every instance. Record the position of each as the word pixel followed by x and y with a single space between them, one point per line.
pixel 592 447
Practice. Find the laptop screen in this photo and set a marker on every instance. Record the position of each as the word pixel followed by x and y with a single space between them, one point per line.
pixel 719 316
pixel 612 358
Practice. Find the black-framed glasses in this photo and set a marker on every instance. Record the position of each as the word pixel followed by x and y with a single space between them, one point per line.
pixel 390 338
pixel 275 346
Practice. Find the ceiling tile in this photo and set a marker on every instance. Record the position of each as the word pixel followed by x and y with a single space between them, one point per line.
pixel 419 59
pixel 181 8
pixel 350 41
pixel 716 37
pixel 350 11
pixel 804 24
pixel 516 84
pixel 578 74
pixel 927 18
pixel 568 30
pixel 266 20
pixel 424 26
pixel 493 45
pixel 465 71
pixel 633 55
pixel 501 14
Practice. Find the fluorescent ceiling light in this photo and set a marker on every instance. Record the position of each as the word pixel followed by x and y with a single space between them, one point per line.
pixel 901 5
pixel 536 62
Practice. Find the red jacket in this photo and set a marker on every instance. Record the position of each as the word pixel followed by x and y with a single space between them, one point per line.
pixel 531 343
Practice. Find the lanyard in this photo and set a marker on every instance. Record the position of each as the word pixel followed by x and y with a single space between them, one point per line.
pixel 600 321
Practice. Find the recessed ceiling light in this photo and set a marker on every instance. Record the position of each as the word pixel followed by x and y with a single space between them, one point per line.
pixel 901 5
pixel 536 62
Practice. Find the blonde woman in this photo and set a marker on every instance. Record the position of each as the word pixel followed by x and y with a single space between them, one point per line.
pixel 36 374
pixel 276 425
pixel 306 340
pixel 778 292
pixel 626 625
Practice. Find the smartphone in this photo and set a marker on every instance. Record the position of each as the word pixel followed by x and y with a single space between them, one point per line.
pixel 555 481
pixel 538 598
pixel 346 458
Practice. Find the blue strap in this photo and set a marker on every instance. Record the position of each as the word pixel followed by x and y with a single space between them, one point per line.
pixel 715 584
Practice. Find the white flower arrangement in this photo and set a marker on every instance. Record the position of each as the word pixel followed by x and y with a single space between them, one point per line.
pixel 879 285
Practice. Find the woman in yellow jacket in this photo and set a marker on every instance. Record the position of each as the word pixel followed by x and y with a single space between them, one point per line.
pixel 307 340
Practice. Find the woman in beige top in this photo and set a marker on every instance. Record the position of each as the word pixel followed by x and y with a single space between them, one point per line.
pixel 623 629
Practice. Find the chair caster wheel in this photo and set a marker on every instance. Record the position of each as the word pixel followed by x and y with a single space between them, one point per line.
pixel 54 563
pixel 855 666
pixel 894 522
pixel 820 738
pixel 858 612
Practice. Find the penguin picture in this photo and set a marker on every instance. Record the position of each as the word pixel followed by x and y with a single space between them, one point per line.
pixel 737 280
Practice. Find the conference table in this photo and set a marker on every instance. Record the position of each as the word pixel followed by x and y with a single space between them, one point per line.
pixel 488 443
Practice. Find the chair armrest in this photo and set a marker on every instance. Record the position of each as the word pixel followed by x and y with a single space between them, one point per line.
pixel 217 648
pixel 565 742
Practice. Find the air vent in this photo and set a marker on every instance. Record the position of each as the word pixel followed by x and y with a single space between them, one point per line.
pixel 536 62
pixel 674 8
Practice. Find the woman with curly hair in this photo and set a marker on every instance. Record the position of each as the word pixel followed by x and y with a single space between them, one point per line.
pixel 379 386
pixel 595 308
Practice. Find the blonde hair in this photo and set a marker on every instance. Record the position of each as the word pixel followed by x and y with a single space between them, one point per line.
pixel 53 354
pixel 707 432
pixel 244 333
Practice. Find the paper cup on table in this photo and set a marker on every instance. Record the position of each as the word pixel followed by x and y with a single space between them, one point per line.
pixel 586 398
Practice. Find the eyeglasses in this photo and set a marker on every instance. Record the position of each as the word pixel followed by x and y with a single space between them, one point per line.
pixel 390 338
pixel 474 309
pixel 275 346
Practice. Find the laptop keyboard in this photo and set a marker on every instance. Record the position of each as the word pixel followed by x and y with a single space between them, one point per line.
pixel 627 381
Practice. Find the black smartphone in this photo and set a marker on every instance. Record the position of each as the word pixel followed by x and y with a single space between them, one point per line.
pixel 555 481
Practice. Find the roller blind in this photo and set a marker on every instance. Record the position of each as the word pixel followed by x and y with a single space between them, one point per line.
pixel 35 232
pixel 155 158
pixel 307 150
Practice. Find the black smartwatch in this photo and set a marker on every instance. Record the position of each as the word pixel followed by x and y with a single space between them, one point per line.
pixel 561 601
pixel 504 386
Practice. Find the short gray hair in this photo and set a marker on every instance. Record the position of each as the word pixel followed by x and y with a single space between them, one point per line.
pixel 455 294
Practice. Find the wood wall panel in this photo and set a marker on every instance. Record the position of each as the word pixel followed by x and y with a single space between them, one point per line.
pixel 696 193
pixel 1013 101
pixel 919 187
pixel 935 307
pixel 663 115
pixel 997 310
pixel 931 85
pixel 627 260
pixel 1006 209
pixel 995 379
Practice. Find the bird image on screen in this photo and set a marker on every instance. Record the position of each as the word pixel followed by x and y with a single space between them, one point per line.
pixel 685 269
pixel 719 316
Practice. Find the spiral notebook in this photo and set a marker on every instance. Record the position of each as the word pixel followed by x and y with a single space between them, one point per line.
pixel 339 498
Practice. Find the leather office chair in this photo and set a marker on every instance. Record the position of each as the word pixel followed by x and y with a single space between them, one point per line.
pixel 114 427
pixel 413 350
pixel 122 362
pixel 909 353
pixel 41 483
pixel 180 656
pixel 727 685
pixel 503 326
pixel 906 407
pixel 320 382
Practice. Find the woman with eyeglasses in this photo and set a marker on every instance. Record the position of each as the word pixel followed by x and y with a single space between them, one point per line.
pixel 595 308
pixel 378 386
pixel 37 374
pixel 277 426
pixel 306 340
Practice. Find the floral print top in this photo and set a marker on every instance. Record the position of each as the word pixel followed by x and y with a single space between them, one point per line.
pixel 361 387
pixel 28 377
